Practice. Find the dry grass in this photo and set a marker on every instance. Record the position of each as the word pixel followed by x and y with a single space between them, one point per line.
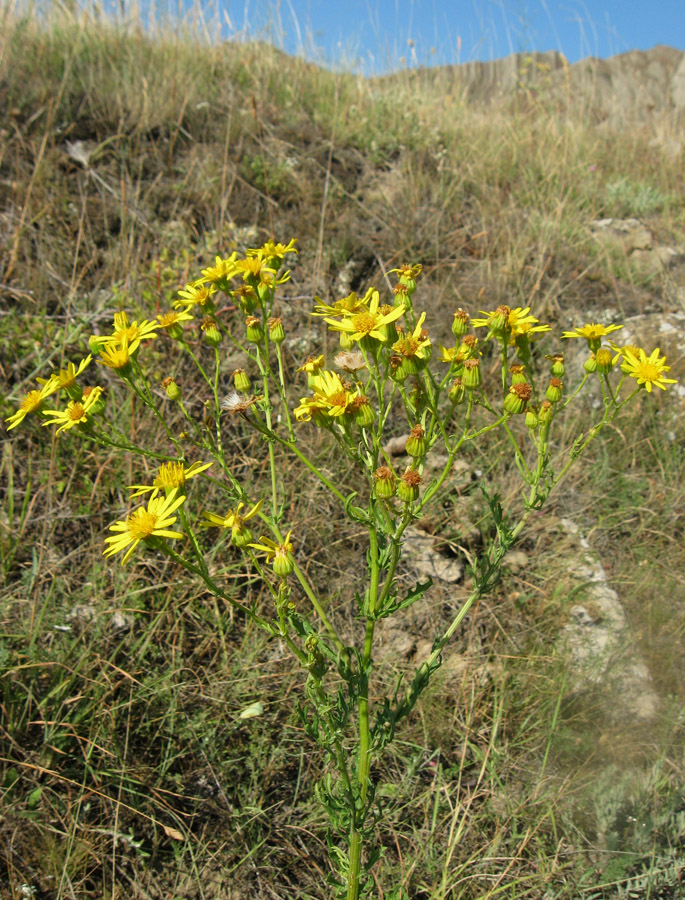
pixel 124 770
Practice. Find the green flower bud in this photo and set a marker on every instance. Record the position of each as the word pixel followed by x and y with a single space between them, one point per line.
pixel 173 391
pixel 211 332
pixel 554 391
pixel 531 419
pixel 408 487
pixel 241 380
pixel 517 398
pixel 416 445
pixel 96 343
pixel 590 364
pixel 518 374
pixel 471 377
pixel 283 563
pixel 457 393
pixel 557 368
pixel 254 332
pixel 460 323
pixel 276 330
pixel 604 361
pixel 364 413
pixel 241 536
pixel 385 482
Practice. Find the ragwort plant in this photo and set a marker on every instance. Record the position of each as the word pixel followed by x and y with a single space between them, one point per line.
pixel 384 364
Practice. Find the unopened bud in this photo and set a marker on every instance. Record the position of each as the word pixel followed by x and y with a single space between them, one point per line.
pixel 408 486
pixel 253 329
pixel 241 380
pixel 416 445
pixel 460 323
pixel 276 330
pixel 386 482
pixel 173 391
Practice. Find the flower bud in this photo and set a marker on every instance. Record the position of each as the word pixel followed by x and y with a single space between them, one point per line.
pixel 276 330
pixel 554 391
pixel 241 380
pixel 346 342
pixel 557 368
pixel 460 323
pixel 604 360
pixel 241 535
pixel 545 412
pixel 518 374
pixel 386 482
pixel 173 391
pixel 211 332
pixel 499 320
pixel 397 370
pixel 471 377
pixel 416 445
pixel 253 329
pixel 408 487
pixel 531 419
pixel 590 364
pixel 364 413
pixel 517 398
pixel 457 393
pixel 283 562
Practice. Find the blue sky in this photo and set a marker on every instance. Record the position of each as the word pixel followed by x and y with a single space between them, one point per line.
pixel 377 36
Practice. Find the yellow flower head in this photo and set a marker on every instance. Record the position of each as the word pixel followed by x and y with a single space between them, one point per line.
pixel 65 379
pixel 194 295
pixel 76 412
pixel 171 318
pixel 117 357
pixel 146 522
pixel 31 403
pixel 271 250
pixel 592 333
pixel 350 304
pixel 170 476
pixel 416 344
pixel 221 272
pixel 131 332
pixel 330 396
pixel 648 371
pixel 313 364
pixel 234 518
pixel 367 323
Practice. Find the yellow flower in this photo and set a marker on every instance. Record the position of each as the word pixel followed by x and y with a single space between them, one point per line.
pixel 117 357
pixel 648 370
pixel 515 322
pixel 233 518
pixel 170 475
pixel 271 250
pixel 171 318
pixel 195 294
pixel 313 364
pixel 330 396
pixel 31 403
pixel 369 323
pixel 145 523
pixel 592 333
pixel 349 304
pixel 415 345
pixel 76 412
pixel 65 378
pixel 132 332
pixel 221 272
pixel 279 555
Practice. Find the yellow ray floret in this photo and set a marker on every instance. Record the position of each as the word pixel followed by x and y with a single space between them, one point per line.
pixel 648 371
pixel 132 332
pixel 194 295
pixel 233 519
pixel 153 520
pixel 76 413
pixel 31 403
pixel 170 475
pixel 368 323
pixel 65 378
pixel 330 397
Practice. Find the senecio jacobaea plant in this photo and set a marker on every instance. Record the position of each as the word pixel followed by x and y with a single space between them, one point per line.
pixel 386 370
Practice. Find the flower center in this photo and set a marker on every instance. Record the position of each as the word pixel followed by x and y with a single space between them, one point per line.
pixel 338 399
pixel 170 475
pixel 364 323
pixel 31 401
pixel 76 412
pixel 141 524
pixel 649 372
